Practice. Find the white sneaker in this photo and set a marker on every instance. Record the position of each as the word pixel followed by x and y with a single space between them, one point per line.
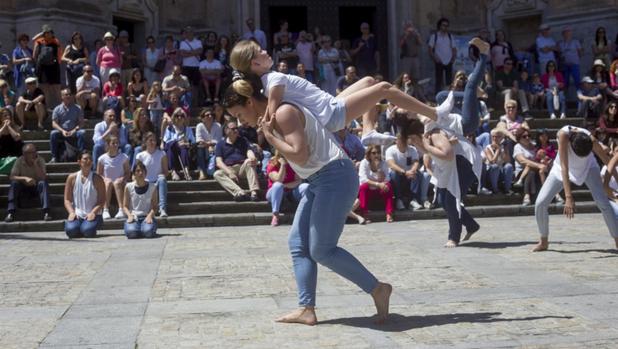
pixel 120 215
pixel 162 213
pixel 552 116
pixel 399 205
pixel 559 199
pixel 427 205
pixel 376 138
pixel 106 214
pixel 485 191
pixel 415 205
pixel 562 116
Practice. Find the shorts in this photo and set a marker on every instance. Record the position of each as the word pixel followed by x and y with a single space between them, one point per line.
pixel 337 119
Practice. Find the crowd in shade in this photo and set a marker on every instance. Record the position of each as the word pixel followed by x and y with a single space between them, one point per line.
pixel 160 117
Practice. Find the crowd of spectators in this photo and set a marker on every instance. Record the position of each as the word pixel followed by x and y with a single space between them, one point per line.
pixel 148 102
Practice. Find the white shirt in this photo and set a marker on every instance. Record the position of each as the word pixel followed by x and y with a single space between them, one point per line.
pixel 214 65
pixel 612 181
pixel 113 167
pixel 191 61
pixel 520 150
pixel 141 204
pixel 443 45
pixel 85 195
pixel 259 36
pixel 578 166
pixel 83 84
pixel 401 159
pixel 305 56
pixel 152 163
pixel 301 92
pixel 203 135
pixel 365 173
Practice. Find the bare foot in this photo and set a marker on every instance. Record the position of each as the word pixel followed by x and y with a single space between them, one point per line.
pixel 381 297
pixel 541 246
pixel 305 316
pixel 450 244
pixel 482 45
pixel 389 218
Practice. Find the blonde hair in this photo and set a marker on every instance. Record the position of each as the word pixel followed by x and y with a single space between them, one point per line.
pixel 242 54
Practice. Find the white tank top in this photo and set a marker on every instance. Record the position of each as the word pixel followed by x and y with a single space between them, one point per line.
pixel 84 195
pixel 578 166
pixel 323 148
pixel 140 203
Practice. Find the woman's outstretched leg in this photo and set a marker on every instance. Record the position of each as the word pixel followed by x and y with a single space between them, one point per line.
pixel 470 111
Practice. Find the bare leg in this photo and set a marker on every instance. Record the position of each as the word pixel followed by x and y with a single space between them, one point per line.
pixel 19 110
pixel 217 88
pixel 109 185
pixel 40 113
pixel 305 316
pixel 119 190
pixel 544 244
pixel 357 86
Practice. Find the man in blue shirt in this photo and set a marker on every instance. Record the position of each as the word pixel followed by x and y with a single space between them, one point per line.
pixel 109 127
pixel 67 120
pixel 235 159
pixel 590 100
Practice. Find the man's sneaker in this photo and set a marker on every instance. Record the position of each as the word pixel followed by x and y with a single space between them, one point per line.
pixel 399 204
pixel 9 218
pixel 415 205
pixel 563 116
pixel 106 214
pixel 526 201
pixel 427 205
pixel 559 199
pixel 120 215
pixel 52 161
pixel 485 191
pixel 162 213
pixel 552 116
pixel 47 217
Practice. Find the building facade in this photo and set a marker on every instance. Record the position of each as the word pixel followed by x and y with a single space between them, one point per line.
pixel 338 18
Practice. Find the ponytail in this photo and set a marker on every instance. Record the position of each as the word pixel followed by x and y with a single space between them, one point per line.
pixel 242 89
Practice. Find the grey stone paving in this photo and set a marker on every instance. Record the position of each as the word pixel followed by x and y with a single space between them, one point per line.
pixel 222 287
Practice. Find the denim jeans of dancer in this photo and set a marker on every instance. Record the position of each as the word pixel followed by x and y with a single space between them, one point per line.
pixel 140 229
pixel 614 205
pixel 549 97
pixel 161 184
pixel 276 194
pixel 449 203
pixel 496 172
pixel 80 227
pixel 553 186
pixel 19 190
pixel 317 226
pixel 470 109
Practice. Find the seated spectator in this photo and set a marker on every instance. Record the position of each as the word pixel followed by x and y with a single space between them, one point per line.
pixel 351 144
pixel 537 92
pixel 88 90
pixel 347 79
pixel 211 70
pixel 300 71
pixel 174 103
pixel 282 180
pixel 156 164
pixel 590 101
pixel 155 105
pixel 282 67
pixel 208 134
pixel 407 182
pixel 512 123
pixel 527 170
pixel 10 136
pixel 32 101
pixel 143 125
pixel 507 82
pixel 67 120
pixel 84 198
pixel 109 126
pixel 113 166
pixel 601 78
pixel 128 113
pixel 179 85
pixel 613 73
pixel 407 84
pixel 236 159
pixel 113 92
pixel 375 182
pixel 545 154
pixel 607 127
pixel 7 96
pixel 554 89
pixel 28 179
pixel 178 140
pixel 498 163
pixel 139 205
pixel 138 87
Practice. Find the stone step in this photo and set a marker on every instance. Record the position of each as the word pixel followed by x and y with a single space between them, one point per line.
pixel 172 186
pixel 249 218
pixel 173 197
pixel 548 123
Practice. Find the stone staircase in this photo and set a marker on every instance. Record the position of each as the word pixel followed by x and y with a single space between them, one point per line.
pixel 205 203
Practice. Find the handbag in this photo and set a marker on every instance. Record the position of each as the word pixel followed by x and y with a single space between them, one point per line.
pixel 159 67
pixel 6 164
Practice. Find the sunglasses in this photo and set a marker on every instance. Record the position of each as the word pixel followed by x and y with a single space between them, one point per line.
pixel 612 107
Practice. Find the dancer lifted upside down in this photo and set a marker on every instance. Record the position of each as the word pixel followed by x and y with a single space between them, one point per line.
pixel 334 113
pixel 314 155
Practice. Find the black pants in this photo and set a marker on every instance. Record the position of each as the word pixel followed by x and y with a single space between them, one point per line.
pixel 444 75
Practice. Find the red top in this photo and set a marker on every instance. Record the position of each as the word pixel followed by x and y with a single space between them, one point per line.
pixel 117 92
pixel 610 127
pixel 290 175
pixel 559 79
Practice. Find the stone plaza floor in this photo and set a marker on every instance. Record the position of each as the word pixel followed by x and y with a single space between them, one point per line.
pixel 222 288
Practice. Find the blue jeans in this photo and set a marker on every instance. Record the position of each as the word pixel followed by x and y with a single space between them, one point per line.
pixel 569 70
pixel 504 171
pixel 406 189
pixel 449 203
pixel 138 229
pixel 275 194
pixel 155 118
pixel 80 227
pixel 99 149
pixel 550 102
pixel 55 137
pixel 470 109
pixel 136 150
pixel 483 139
pixel 19 190
pixel 553 186
pixel 206 161
pixel 317 226
pixel 161 184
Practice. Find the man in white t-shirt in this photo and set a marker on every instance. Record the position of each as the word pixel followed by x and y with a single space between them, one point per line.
pixel 443 52
pixel 88 89
pixel 255 34
pixel 190 51
pixel 577 145
pixel 403 162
